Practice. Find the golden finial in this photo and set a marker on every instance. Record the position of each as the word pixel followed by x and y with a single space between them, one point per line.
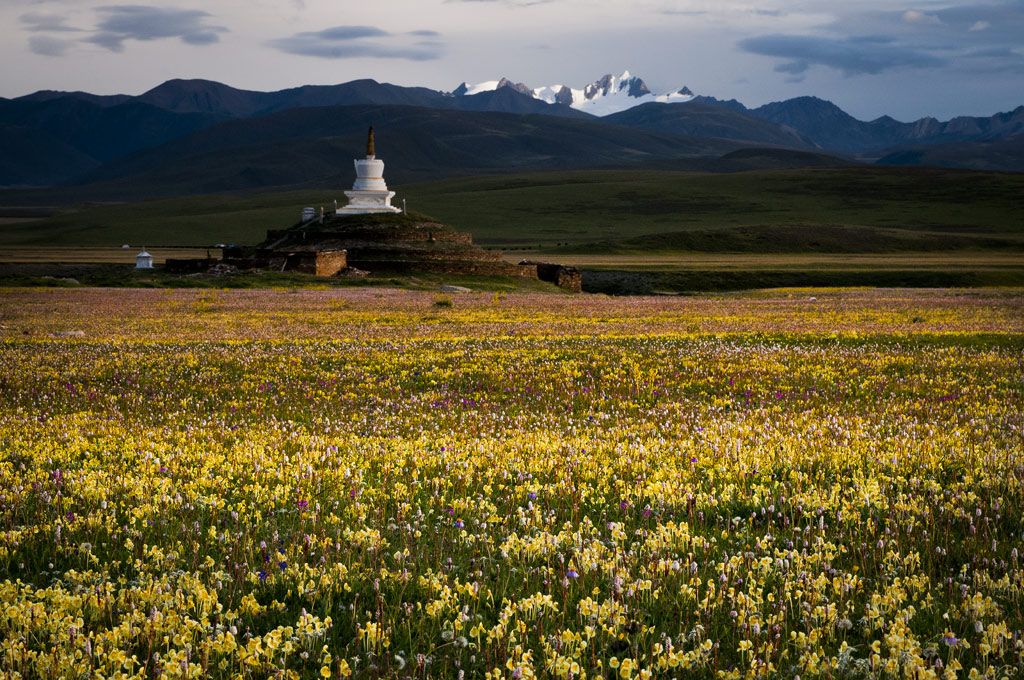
pixel 369 144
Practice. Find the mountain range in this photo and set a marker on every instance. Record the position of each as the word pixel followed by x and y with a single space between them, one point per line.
pixel 187 136
pixel 605 96
pixel 818 122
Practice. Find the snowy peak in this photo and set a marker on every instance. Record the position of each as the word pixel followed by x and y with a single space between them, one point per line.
pixel 490 86
pixel 610 86
pixel 518 87
pixel 607 95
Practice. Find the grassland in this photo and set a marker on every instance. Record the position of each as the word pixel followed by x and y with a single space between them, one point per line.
pixel 905 209
pixel 614 207
pixel 97 254
pixel 119 275
pixel 683 231
pixel 363 484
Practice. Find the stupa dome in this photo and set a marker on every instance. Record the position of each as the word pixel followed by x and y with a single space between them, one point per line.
pixel 369 193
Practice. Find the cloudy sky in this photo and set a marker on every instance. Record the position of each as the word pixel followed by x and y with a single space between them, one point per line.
pixel 871 57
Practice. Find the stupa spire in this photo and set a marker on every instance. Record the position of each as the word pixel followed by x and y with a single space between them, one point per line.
pixel 369 144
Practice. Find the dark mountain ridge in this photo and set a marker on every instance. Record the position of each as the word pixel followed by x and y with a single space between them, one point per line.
pixel 98 99
pixel 1003 154
pixel 708 120
pixel 53 138
pixel 79 131
pixel 101 132
pixel 203 96
pixel 832 128
pixel 311 144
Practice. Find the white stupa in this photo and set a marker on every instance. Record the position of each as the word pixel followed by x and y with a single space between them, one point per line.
pixel 370 192
pixel 143 260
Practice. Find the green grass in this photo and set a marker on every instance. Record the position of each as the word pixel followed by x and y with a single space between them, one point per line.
pixel 124 276
pixel 850 209
pixel 201 220
pixel 631 282
pixel 580 208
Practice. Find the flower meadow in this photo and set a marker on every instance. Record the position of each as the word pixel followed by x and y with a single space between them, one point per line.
pixel 335 484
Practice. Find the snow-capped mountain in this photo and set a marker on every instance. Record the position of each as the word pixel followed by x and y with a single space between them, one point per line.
pixel 611 94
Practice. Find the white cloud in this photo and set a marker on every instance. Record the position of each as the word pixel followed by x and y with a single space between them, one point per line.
pixel 979 26
pixel 913 16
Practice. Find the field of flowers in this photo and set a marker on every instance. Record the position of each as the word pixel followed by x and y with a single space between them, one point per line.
pixel 387 484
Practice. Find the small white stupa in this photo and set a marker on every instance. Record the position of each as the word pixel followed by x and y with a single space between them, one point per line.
pixel 370 192
pixel 143 260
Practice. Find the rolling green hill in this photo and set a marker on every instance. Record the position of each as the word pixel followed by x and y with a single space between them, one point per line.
pixel 843 209
pixel 573 209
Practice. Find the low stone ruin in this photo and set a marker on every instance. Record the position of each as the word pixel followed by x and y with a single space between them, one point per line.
pixel 382 243
pixel 563 276
pixel 353 245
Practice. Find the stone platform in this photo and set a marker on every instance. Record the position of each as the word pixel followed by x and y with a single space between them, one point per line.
pixel 374 242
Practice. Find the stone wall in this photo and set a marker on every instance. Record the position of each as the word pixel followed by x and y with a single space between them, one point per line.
pixel 448 267
pixel 390 253
pixel 329 263
pixel 316 262
pixel 421 233
pixel 561 275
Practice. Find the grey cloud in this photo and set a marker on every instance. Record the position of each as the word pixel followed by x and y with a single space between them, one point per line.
pixel 793 67
pixel 35 21
pixel 348 33
pixel 993 60
pixel 966 25
pixel 851 56
pixel 137 22
pixel 201 38
pixel 969 37
pixel 48 46
pixel 872 39
pixel 350 42
pixel 967 15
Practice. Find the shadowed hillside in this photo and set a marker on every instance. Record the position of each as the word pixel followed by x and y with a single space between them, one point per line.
pixel 299 146
pixel 708 120
pixel 995 154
